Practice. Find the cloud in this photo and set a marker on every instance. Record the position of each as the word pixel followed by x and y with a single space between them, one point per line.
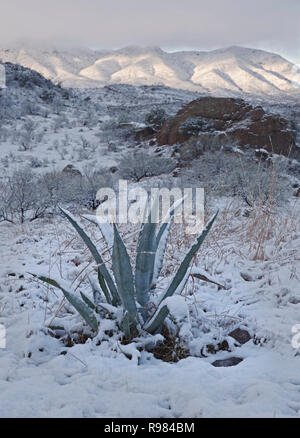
pixel 172 24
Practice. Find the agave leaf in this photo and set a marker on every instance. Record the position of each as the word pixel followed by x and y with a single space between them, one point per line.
pixel 166 222
pixel 123 275
pixel 97 257
pixel 145 257
pixel 81 307
pixel 88 302
pixel 96 292
pixel 157 319
pixel 182 270
pixel 111 310
pixel 107 233
pixel 161 244
pixel 125 325
pixel 162 240
pixel 103 287
pixel 161 232
pixel 105 228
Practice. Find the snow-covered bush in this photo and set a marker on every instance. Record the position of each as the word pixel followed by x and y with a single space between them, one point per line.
pixel 27 135
pixel 74 189
pixel 93 180
pixel 133 294
pixel 35 162
pixel 236 174
pixel 195 126
pixel 6 201
pixel 25 195
pixel 156 118
pixel 22 196
pixel 138 165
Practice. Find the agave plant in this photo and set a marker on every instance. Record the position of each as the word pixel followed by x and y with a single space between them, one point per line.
pixel 123 288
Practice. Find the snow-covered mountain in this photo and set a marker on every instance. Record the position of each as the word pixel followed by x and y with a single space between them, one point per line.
pixel 230 70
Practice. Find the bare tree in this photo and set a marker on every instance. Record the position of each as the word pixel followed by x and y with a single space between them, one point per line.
pixel 138 165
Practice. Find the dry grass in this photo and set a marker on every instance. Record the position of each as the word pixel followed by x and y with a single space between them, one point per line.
pixel 171 350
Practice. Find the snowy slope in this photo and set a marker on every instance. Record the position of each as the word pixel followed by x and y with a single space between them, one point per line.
pixel 230 70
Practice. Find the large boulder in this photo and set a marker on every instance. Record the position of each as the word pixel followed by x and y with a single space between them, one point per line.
pixel 232 120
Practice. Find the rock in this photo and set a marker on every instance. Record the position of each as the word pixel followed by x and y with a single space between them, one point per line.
pixel 222 346
pixel 113 169
pixel 246 276
pixel 257 114
pixel 241 336
pixel 234 119
pixel 144 134
pixel 70 169
pixel 262 154
pixel 231 362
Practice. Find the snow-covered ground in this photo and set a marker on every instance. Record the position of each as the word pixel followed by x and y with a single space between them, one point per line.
pixel 42 377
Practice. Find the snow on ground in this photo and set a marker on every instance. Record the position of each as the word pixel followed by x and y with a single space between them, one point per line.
pixel 41 377
pixel 85 130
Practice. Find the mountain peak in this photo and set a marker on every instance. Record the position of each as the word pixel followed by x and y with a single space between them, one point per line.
pixel 230 70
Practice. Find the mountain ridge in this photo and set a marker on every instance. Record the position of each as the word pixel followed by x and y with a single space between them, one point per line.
pixel 232 70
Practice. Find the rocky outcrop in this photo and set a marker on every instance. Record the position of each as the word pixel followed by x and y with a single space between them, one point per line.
pixel 145 133
pixel 231 120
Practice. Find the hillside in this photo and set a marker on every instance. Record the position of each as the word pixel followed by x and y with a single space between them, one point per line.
pixel 232 70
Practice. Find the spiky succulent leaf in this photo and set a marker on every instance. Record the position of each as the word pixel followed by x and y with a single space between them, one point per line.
pixel 162 240
pixel 161 244
pixel 182 270
pixel 88 302
pixel 103 287
pixel 105 229
pixel 123 276
pixel 125 325
pixel 82 308
pixel 145 257
pixel 161 232
pixel 97 257
pixel 96 292
pixel 107 233
pixel 157 319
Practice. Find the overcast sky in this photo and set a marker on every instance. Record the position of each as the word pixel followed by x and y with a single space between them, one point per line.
pixel 171 24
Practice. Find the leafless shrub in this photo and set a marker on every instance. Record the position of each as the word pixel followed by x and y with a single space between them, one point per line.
pixel 239 175
pixel 139 165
